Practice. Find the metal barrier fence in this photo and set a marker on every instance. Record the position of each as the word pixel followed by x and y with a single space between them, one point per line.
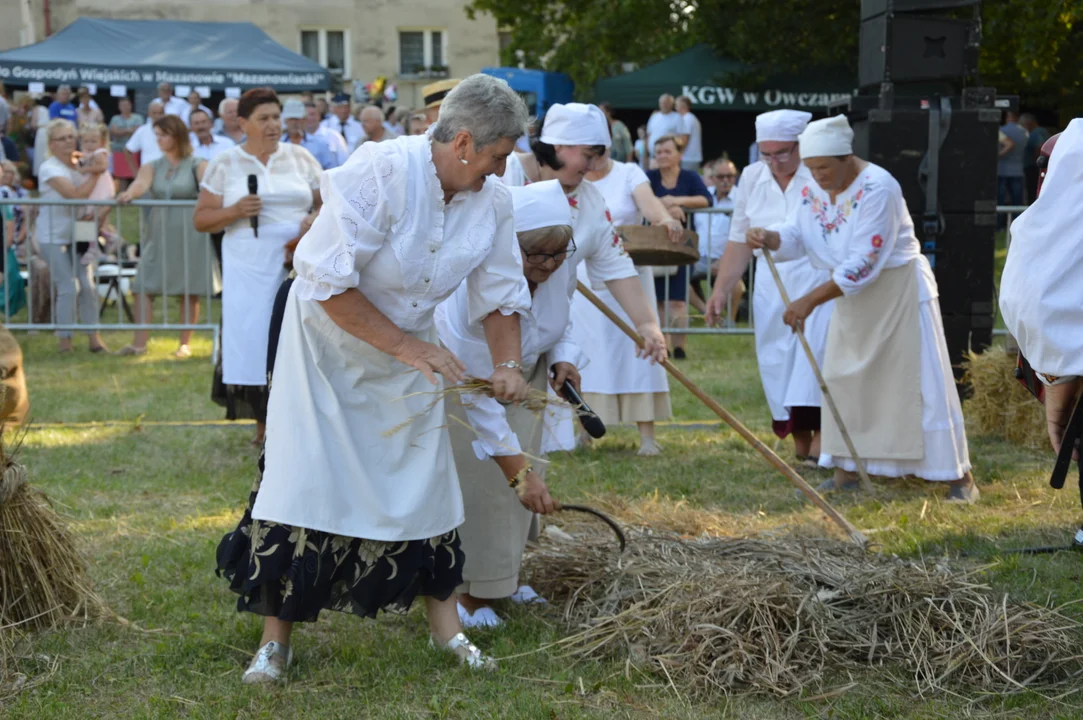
pixel 709 222
pixel 56 250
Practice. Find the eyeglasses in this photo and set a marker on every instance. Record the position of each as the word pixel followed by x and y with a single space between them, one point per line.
pixel 542 258
pixel 778 157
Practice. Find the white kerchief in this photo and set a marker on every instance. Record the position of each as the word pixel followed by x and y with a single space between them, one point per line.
pixel 575 124
pixel 781 125
pixel 541 204
pixel 830 137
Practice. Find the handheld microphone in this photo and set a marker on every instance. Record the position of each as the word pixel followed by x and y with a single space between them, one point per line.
pixel 253 184
pixel 590 421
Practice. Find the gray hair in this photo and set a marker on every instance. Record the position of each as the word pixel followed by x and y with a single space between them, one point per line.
pixel 372 110
pixel 222 105
pixel 538 237
pixel 156 102
pixel 484 106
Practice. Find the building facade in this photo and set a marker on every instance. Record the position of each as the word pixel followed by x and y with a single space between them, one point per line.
pixel 410 42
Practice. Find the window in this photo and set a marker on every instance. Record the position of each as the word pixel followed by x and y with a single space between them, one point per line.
pixel 423 52
pixel 329 48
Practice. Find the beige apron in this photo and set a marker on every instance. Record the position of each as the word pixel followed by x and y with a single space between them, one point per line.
pixel 497 526
pixel 872 367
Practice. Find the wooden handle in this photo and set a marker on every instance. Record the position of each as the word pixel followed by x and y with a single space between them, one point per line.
pixel 779 464
pixel 866 483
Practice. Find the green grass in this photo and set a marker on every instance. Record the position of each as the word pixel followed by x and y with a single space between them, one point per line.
pixel 149 502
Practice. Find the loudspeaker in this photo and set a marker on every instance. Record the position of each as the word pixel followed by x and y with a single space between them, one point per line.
pixel 914 48
pixel 897 140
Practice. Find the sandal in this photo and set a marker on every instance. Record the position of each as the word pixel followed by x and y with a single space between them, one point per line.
pixel 964 494
pixel 466 651
pixel 183 352
pixel 269 665
pixel 131 350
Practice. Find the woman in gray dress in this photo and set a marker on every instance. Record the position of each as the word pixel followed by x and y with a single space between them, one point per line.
pixel 175 260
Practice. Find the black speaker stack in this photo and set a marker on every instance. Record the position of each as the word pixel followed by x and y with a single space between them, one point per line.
pixel 921 115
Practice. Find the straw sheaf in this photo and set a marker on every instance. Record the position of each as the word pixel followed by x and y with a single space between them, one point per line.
pixel 1000 406
pixel 788 616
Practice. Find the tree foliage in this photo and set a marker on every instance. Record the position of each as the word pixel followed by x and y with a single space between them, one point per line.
pixel 1033 48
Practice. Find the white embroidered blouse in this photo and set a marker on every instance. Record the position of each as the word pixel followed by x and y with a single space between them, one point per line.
pixel 386 230
pixel 866 230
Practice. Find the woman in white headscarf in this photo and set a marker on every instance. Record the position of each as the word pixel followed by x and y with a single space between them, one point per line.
pixel 769 190
pixel 493 444
pixel 571 143
pixel 887 363
pixel 359 501
pixel 1041 292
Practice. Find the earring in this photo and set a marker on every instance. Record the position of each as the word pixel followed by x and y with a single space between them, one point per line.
pixel 464 161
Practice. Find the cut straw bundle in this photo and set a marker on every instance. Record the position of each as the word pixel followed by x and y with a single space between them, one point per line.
pixel 42 574
pixel 1000 406
pixel 783 616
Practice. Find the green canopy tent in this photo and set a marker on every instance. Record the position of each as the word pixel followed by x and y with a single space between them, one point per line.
pixel 702 76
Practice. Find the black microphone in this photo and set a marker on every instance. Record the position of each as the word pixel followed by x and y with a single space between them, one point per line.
pixel 590 421
pixel 253 184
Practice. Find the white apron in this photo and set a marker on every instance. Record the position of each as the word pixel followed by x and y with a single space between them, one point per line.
pixel 788 379
pixel 252 272
pixel 329 465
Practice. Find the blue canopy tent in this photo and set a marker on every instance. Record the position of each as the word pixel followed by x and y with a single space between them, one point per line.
pixel 143 53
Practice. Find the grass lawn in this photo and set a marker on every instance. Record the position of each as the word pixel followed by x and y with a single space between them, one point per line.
pixel 150 501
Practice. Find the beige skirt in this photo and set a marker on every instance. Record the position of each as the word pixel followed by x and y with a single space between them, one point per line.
pixel 872 366
pixel 497 526
pixel 627 408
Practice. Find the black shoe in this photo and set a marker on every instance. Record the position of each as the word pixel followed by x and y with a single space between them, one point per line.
pixel 679 354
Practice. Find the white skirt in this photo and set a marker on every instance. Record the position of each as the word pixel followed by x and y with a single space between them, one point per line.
pixel 330 462
pixel 946 454
pixel 788 378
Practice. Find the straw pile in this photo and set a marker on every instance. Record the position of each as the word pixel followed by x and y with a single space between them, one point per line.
pixel 1000 406
pixel 786 616
pixel 42 575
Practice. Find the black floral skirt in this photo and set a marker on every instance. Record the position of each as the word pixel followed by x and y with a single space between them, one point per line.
pixel 292 573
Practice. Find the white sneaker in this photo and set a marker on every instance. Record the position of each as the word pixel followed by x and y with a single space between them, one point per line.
pixel 269 665
pixel 466 651
pixel 482 617
pixel 526 595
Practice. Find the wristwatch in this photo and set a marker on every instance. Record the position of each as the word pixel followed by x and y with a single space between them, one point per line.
pixel 510 365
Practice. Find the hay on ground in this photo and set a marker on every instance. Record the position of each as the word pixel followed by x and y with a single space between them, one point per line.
pixel 783 616
pixel 42 574
pixel 1000 406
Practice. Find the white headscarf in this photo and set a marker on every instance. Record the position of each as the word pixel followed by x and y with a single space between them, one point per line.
pixel 781 125
pixel 829 137
pixel 575 124
pixel 541 204
pixel 1041 291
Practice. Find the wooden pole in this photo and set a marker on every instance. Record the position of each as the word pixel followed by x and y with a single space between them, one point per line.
pixel 866 483
pixel 779 464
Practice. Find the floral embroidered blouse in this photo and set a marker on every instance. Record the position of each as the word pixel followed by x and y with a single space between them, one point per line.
pixel 866 230
pixel 386 230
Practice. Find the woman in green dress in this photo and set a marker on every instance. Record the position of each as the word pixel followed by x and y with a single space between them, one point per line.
pixel 175 260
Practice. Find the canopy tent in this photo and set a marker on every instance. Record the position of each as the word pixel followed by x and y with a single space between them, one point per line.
pixel 700 74
pixel 143 53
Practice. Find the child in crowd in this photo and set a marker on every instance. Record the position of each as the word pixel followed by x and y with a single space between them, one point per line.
pixel 94 141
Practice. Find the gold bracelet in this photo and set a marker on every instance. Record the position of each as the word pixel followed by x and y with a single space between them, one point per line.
pixel 519 476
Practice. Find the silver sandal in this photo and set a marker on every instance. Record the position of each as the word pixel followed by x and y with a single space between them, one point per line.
pixel 269 665
pixel 466 651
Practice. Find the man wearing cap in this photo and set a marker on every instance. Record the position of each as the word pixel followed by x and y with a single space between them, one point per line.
pixel 294 115
pixel 342 122
pixel 770 189
pixel 887 363
pixel 205 144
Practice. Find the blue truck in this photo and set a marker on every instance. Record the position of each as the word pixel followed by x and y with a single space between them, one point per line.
pixel 540 89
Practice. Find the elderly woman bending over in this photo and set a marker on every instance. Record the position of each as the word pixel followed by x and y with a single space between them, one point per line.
pixel 359 500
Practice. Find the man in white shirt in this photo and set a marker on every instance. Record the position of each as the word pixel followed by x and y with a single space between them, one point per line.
pixel 692 134
pixel 143 140
pixel 205 144
pixel 721 178
pixel 171 104
pixel 334 140
pixel 664 121
pixel 227 124
pixel 342 123
pixel 194 103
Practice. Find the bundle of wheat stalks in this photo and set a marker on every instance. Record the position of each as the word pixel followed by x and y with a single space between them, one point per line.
pixel 42 574
pixel 785 616
pixel 1000 406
